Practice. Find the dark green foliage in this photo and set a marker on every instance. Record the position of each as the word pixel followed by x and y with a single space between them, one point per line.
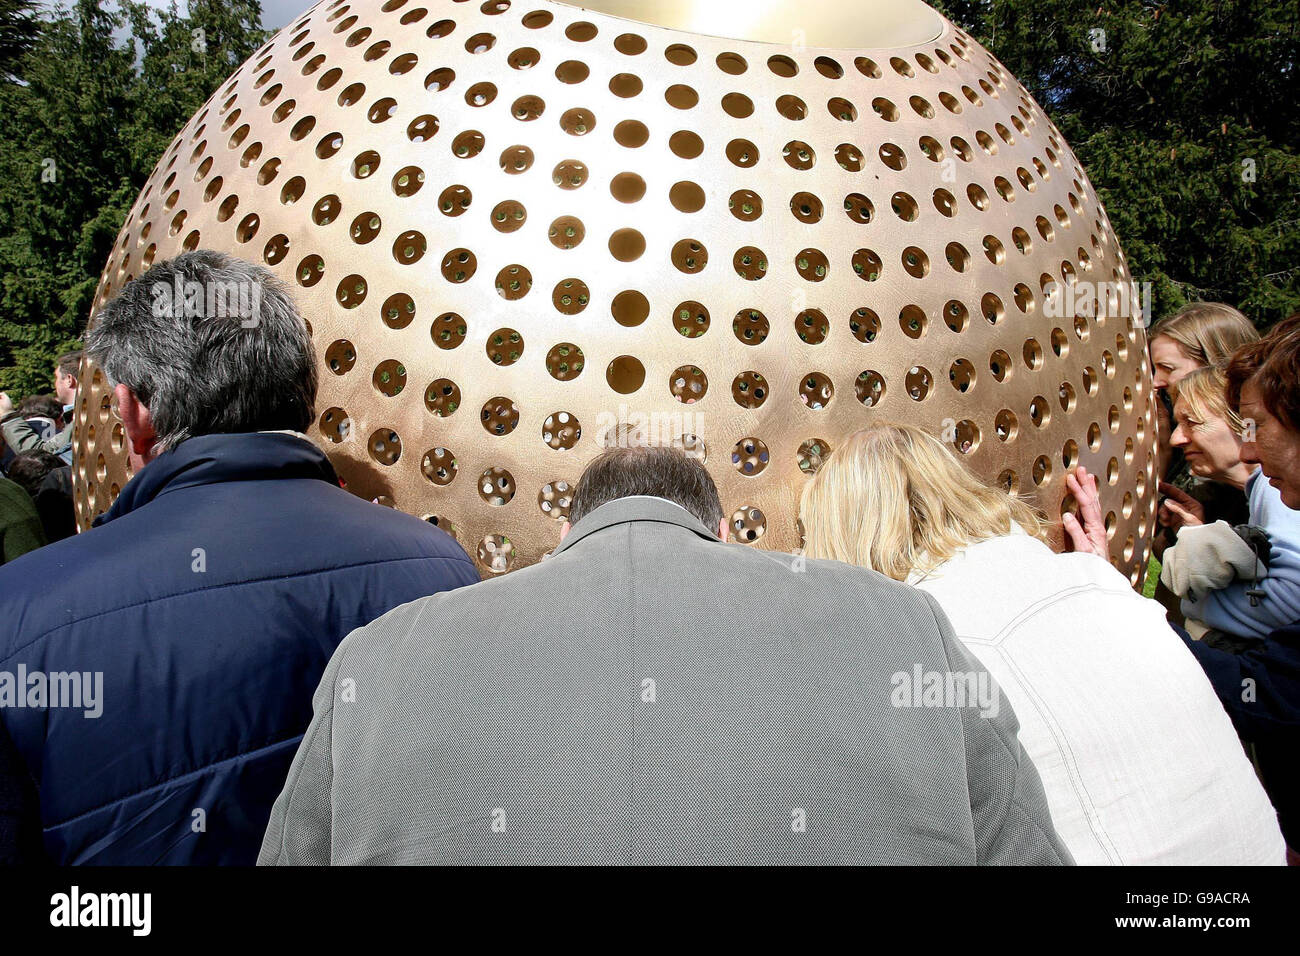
pixel 1163 117
pixel 1181 103
pixel 85 112
pixel 18 31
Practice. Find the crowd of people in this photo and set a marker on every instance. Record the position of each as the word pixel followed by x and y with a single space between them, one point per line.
pixel 242 662
pixel 36 505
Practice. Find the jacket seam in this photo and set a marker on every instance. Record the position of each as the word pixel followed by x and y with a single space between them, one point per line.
pixel 174 484
pixel 1077 783
pixel 1014 757
pixel 206 768
pixel 1025 814
pixel 1043 604
pixel 222 587
pixel 291 789
pixel 1075 778
pixel 613 523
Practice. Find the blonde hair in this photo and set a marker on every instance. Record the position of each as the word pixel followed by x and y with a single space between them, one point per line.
pixel 1205 393
pixel 896 499
pixel 1207 332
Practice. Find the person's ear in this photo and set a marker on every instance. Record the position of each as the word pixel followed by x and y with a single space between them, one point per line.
pixel 564 530
pixel 724 530
pixel 136 422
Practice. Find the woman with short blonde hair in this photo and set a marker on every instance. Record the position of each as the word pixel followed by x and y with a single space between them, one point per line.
pixel 1223 587
pixel 1205 395
pixel 1139 762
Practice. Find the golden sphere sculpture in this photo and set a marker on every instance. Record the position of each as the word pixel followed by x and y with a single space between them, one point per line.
pixel 748 228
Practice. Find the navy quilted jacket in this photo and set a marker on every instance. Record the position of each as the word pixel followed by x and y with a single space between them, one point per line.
pixel 210 597
pixel 1259 687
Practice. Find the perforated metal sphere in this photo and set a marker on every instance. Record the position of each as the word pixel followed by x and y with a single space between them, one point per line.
pixel 512 225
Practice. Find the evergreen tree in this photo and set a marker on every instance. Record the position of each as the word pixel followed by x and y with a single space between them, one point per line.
pixel 1187 117
pixel 185 58
pixel 19 29
pixel 83 120
pixel 61 170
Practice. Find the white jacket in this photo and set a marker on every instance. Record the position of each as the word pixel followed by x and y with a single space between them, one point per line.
pixel 1139 761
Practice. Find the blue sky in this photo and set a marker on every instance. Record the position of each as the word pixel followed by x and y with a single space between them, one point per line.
pixel 276 13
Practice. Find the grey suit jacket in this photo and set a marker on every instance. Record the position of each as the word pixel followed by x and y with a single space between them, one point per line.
pixel 648 694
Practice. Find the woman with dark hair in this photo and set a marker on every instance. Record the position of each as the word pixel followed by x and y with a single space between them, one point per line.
pixel 48 481
pixel 1260 685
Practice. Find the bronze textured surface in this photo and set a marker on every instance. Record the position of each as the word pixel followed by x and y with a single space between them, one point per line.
pixel 512 225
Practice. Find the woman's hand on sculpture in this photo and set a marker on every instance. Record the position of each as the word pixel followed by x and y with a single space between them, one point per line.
pixel 1088 535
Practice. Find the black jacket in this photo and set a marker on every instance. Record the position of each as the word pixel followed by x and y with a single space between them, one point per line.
pixel 1260 689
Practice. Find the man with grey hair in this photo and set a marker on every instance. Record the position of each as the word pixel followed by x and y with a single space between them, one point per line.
pixel 198 614
pixel 652 694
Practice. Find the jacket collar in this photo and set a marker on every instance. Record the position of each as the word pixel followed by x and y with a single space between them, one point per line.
pixel 208 459
pixel 635 508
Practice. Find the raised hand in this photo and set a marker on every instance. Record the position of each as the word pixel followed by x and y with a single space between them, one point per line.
pixel 1090 536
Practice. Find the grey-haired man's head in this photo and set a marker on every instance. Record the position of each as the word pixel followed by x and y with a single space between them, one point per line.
pixel 648 470
pixel 203 344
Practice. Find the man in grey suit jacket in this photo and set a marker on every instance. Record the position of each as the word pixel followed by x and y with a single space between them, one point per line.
pixel 652 694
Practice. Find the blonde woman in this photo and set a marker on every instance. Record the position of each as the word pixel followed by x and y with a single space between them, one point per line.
pixel 1138 759
pixel 1224 586
pixel 1197 335
pixel 1200 335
